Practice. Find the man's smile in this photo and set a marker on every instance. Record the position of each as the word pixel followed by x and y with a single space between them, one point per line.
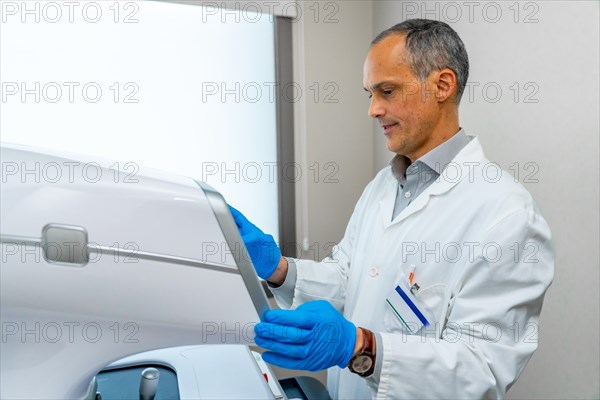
pixel 388 126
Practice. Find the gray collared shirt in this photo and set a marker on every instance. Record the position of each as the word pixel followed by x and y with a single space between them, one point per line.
pixel 414 178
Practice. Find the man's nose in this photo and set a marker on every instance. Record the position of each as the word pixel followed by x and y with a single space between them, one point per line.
pixel 375 108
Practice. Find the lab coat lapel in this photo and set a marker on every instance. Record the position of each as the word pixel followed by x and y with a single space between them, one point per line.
pixel 386 205
pixel 416 205
pixel 462 164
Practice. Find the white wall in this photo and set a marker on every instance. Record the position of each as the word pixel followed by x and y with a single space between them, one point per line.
pixel 558 55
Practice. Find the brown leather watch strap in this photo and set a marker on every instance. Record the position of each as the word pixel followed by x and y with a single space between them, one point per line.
pixel 369 347
pixel 366 354
pixel 368 341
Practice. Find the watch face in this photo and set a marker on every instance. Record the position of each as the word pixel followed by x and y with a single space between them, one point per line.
pixel 361 363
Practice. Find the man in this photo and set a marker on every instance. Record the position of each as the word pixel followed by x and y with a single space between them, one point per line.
pixel 436 287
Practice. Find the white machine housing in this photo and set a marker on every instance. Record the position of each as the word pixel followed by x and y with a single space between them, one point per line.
pixel 102 260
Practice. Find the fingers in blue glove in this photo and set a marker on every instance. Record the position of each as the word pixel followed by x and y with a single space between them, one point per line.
pixel 313 337
pixel 299 333
pixel 262 249
pixel 291 350
pixel 238 217
pixel 291 340
pixel 285 334
pixel 284 361
pixel 297 318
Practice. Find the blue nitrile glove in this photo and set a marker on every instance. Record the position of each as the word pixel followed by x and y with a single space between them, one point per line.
pixel 313 337
pixel 263 250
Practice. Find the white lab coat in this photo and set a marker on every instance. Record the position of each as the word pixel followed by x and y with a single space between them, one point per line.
pixel 485 300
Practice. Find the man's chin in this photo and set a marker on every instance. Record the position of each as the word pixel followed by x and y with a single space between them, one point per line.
pixel 398 149
pixel 393 146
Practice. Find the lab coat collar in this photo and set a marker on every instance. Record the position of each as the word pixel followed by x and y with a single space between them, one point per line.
pixel 436 159
pixel 458 169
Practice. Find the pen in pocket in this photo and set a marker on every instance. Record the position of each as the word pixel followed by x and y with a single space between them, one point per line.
pixel 411 274
pixel 414 287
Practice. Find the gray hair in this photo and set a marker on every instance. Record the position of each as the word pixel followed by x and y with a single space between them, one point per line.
pixel 431 46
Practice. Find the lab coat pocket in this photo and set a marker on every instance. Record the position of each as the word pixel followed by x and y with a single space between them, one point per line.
pixel 432 298
pixel 414 311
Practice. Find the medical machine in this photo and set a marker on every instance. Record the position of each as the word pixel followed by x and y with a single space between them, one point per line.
pixel 118 280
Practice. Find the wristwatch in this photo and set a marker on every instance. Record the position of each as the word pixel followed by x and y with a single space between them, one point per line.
pixel 363 363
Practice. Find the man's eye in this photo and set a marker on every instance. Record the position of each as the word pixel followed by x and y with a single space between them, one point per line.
pixel 388 92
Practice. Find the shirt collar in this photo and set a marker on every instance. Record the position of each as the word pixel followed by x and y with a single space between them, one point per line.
pixel 436 159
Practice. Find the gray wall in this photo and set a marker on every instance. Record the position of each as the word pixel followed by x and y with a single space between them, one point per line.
pixel 550 49
pixel 331 41
pixel 333 134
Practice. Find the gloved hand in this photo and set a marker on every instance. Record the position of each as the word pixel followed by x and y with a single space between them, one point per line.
pixel 313 337
pixel 263 250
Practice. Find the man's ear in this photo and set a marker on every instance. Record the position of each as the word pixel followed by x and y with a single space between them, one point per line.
pixel 446 85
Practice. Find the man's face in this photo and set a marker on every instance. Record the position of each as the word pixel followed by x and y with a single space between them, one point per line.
pixel 406 108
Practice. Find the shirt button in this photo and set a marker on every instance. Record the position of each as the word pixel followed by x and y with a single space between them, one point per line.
pixel 407 194
pixel 373 272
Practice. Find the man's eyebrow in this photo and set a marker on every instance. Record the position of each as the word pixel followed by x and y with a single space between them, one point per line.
pixel 378 85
